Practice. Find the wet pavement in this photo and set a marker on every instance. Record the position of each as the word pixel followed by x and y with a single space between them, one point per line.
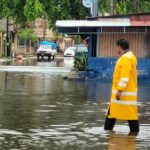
pixel 39 110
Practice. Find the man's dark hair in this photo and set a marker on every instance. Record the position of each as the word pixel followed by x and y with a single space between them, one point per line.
pixel 124 44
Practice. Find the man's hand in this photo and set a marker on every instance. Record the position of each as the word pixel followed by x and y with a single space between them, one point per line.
pixel 118 95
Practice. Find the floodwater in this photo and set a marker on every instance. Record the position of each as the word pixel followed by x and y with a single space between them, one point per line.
pixel 39 110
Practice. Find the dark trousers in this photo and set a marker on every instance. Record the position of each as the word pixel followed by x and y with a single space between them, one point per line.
pixel 110 122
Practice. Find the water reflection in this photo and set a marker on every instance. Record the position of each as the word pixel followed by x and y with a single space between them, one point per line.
pixel 122 142
pixel 101 90
pixel 58 62
pixel 43 111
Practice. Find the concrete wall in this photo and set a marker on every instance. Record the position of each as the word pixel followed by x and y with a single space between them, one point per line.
pixel 24 47
pixel 102 68
pixel 41 28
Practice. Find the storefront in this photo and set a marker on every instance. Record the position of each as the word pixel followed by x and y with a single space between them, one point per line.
pixel 103 33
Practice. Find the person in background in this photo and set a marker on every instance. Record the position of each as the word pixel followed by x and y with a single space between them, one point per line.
pixel 123 103
pixel 86 42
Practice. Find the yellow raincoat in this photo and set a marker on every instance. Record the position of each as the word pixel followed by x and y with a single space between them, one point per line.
pixel 124 79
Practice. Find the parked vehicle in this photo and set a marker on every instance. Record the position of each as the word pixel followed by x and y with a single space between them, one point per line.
pixel 81 49
pixel 46 49
pixel 70 52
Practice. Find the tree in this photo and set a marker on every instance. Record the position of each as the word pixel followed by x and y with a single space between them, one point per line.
pixel 13 9
pixel 25 11
pixel 27 34
pixel 21 11
pixel 124 6
pixel 33 9
pixel 104 6
pixel 63 10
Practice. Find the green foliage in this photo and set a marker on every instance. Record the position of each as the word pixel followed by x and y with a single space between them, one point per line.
pixel 25 11
pixel 124 6
pixel 104 6
pixel 27 34
pixel 21 11
pixel 33 9
pixel 64 10
pixel 121 8
pixel 13 9
pixel 80 62
pixel 77 39
pixel 144 5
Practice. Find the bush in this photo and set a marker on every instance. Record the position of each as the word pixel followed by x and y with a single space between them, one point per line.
pixel 27 34
pixel 80 62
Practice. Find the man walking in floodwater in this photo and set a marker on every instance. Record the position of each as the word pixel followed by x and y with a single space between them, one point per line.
pixel 123 104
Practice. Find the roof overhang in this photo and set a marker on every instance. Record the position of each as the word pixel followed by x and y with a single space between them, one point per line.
pixel 88 26
pixel 97 23
pixel 107 25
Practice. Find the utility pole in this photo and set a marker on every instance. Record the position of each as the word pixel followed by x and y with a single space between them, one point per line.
pixel 7 38
pixel 92 4
pixel 94 8
pixel 112 7
pixel 44 26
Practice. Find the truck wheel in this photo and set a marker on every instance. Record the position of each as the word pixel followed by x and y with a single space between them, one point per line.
pixel 53 57
pixel 49 58
pixel 38 58
pixel 42 58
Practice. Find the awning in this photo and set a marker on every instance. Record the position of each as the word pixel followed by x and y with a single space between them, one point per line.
pixel 88 26
pixel 98 23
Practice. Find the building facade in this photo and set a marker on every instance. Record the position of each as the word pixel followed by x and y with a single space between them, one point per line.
pixel 103 33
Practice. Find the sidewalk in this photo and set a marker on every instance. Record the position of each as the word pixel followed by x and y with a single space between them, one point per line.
pixel 14 58
pixel 24 57
pixel 6 59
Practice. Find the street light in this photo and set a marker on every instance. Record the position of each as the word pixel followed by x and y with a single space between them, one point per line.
pixel 92 38
pixel 93 5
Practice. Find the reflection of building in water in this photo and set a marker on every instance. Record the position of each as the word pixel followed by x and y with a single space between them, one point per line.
pixel 99 90
pixel 122 142
pixel 60 62
pixel 143 90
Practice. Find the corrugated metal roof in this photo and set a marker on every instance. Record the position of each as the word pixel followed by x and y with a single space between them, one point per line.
pixel 119 16
pixel 140 23
pixel 97 23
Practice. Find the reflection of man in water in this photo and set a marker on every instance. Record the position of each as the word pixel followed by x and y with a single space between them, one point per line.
pixel 123 105
pixel 122 142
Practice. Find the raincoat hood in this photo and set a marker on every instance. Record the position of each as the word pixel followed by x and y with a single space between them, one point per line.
pixel 130 56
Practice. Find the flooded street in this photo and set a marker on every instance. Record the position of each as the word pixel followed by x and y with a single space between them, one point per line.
pixel 39 110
